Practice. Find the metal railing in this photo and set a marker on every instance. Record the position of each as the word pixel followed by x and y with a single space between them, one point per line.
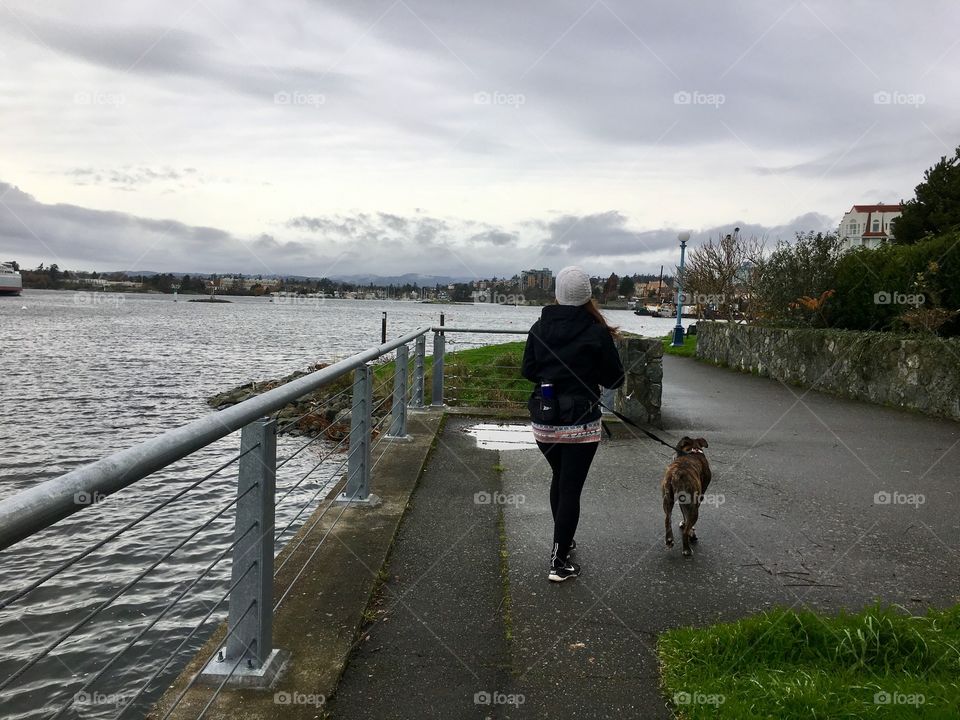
pixel 246 655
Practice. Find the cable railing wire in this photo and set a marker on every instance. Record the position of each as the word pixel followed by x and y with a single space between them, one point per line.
pixel 376 407
pixel 310 501
pixel 454 388
pixel 306 533
pixel 387 397
pixel 386 417
pixel 217 649
pixel 320 462
pixel 303 447
pixel 316 549
pixel 109 601
pixel 377 461
pixel 114 535
pixel 187 639
pixel 223 683
pixel 327 401
pixel 155 620
pixel 384 436
pixel 377 389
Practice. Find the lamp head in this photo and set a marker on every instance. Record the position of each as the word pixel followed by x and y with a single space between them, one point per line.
pixel 683 237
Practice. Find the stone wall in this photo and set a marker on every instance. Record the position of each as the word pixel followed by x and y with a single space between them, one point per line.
pixel 919 373
pixel 639 398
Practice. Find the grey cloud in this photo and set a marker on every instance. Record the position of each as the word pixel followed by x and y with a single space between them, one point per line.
pixel 860 158
pixel 160 51
pixel 421 229
pixel 607 241
pixel 78 237
pixel 800 76
pixel 803 74
pixel 81 237
pixel 394 222
pixel 599 235
pixel 498 238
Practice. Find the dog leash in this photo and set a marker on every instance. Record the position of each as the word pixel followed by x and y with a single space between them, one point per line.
pixel 628 421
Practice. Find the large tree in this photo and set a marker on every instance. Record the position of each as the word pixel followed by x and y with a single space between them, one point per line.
pixel 610 287
pixel 936 207
pixel 717 274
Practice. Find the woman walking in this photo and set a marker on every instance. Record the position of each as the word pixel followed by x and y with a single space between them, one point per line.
pixel 569 354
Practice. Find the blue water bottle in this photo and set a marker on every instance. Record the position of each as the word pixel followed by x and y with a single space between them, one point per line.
pixel 546 392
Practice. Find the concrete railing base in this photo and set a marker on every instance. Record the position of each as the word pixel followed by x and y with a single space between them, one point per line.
pixel 242 677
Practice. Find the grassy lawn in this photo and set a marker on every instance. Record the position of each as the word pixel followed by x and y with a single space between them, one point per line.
pixel 879 663
pixel 479 377
pixel 688 349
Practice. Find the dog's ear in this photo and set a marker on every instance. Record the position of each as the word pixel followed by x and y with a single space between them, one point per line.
pixel 702 442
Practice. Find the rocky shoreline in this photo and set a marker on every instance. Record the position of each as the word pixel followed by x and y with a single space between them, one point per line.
pixel 326 410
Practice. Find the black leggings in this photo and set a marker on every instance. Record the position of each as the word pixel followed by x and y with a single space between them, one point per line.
pixel 570 463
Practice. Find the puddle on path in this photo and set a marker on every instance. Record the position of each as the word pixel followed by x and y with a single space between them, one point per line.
pixel 502 436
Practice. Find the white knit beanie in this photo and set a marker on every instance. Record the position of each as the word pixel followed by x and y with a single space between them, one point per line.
pixel 573 286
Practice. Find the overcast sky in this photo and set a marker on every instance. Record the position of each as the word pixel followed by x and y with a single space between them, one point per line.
pixel 457 138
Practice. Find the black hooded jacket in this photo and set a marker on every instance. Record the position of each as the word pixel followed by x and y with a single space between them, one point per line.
pixel 569 348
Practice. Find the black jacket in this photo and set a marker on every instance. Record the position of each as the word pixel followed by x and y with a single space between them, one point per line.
pixel 569 348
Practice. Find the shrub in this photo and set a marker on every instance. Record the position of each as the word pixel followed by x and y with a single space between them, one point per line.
pixel 795 273
pixel 869 284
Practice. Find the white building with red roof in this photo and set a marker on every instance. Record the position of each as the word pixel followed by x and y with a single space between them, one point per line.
pixel 868 225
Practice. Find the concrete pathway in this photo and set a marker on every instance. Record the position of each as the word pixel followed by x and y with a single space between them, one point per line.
pixel 437 636
pixel 816 501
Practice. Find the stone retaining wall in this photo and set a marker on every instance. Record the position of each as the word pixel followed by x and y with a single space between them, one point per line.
pixel 639 398
pixel 919 373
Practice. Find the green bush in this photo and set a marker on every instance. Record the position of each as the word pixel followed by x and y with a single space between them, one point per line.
pixel 802 269
pixel 862 274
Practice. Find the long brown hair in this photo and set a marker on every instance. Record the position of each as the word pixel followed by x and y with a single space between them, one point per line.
pixel 594 310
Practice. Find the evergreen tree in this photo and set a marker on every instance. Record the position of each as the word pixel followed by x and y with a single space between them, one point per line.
pixel 936 208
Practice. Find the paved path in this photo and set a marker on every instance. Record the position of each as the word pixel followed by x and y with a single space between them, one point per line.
pixel 795 521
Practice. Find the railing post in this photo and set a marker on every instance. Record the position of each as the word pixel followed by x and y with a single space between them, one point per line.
pixel 420 350
pixel 438 352
pixel 398 420
pixel 249 659
pixel 357 489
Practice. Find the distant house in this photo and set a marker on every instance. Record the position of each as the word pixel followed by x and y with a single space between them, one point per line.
pixel 868 225
pixel 655 291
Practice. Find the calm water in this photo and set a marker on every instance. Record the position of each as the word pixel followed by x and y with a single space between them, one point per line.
pixel 85 375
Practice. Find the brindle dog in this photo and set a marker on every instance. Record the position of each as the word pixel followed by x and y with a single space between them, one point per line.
pixel 685 482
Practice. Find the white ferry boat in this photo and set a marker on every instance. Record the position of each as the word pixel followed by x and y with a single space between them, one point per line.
pixel 10 280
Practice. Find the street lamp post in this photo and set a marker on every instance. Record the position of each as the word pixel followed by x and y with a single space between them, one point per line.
pixel 678 330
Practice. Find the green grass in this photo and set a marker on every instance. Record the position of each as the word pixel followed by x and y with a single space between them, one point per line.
pixel 789 665
pixel 688 349
pixel 479 377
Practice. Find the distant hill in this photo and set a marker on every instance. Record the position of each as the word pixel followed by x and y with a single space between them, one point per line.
pixel 408 278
